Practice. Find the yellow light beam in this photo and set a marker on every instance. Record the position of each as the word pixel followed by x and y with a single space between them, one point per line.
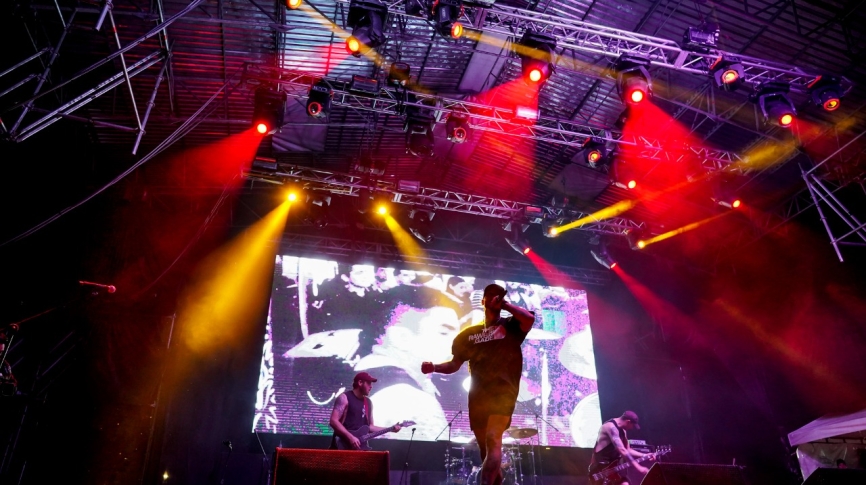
pixel 404 241
pixel 230 288
pixel 686 228
pixel 598 216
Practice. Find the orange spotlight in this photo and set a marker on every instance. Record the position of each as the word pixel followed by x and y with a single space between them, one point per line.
pixel 382 210
pixel 736 203
pixel 456 30
pixel 292 197
pixel 593 156
pixel 554 231
pixel 262 128
pixel 831 104
pixel 293 4
pixel 786 119
pixel 353 45
pixel 730 76
pixel 632 184
pixel 641 244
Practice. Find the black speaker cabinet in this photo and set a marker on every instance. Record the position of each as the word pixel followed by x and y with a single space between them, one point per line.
pixel 689 474
pixel 299 466
pixel 836 476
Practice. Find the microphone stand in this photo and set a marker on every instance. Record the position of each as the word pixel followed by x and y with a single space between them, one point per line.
pixel 267 460
pixel 538 445
pixel 448 446
pixel 406 461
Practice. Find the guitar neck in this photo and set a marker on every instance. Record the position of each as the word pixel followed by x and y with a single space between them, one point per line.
pixel 374 434
pixel 639 460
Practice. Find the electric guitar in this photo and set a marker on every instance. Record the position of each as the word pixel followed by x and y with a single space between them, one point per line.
pixel 364 435
pixel 608 475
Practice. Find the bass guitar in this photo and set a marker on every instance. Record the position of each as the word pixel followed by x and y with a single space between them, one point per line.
pixel 364 435
pixel 612 473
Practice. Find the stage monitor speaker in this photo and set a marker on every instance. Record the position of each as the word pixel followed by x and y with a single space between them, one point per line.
pixel 690 474
pixel 836 476
pixel 299 466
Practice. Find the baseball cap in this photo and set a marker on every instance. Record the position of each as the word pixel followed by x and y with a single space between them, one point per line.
pixel 631 416
pixel 363 376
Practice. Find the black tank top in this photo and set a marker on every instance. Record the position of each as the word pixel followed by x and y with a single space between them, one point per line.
pixel 609 453
pixel 356 414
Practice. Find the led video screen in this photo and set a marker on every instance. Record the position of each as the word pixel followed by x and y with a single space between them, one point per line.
pixel 328 321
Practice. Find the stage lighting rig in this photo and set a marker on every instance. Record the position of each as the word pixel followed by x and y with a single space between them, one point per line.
pixel 366 18
pixel 603 257
pixel 420 225
pixel 536 56
pixel 635 238
pixel 293 4
pixel 701 38
pixel 319 100
pixel 398 74
pixel 446 14
pixel 515 239
pixel 724 193
pixel 457 127
pixel 633 80
pixel 826 92
pixel 729 74
pixel 550 227
pixel 317 210
pixel 419 130
pixel 622 175
pixel 270 110
pixel 776 106
pixel 593 153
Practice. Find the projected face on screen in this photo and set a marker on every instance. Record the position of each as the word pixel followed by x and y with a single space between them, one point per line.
pixel 329 321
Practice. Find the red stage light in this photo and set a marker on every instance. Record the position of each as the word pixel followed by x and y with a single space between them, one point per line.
pixel 456 30
pixel 527 250
pixel 636 96
pixel 612 265
pixel 831 104
pixel 786 119
pixel 293 4
pixel 314 108
pixel 459 135
pixel 631 184
pixel 262 128
pixel 353 45
pixel 535 75
pixel 593 156
pixel 736 203
pixel 730 76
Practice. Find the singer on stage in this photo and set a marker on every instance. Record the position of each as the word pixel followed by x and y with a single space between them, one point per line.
pixel 495 363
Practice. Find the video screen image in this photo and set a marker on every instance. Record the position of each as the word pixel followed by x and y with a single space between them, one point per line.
pixel 328 321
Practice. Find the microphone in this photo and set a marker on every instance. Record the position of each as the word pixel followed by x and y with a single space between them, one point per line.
pixel 228 444
pixel 108 288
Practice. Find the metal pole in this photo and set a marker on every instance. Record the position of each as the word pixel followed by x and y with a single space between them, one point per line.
pixel 841 207
pixel 822 216
pixel 834 153
pixel 25 61
pixel 150 103
pixel 125 71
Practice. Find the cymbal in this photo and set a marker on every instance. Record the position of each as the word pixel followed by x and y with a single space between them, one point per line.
pixel 521 433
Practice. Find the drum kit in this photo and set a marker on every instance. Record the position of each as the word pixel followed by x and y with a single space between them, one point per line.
pixel 518 460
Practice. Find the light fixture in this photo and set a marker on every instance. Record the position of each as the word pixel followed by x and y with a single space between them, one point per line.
pixel 515 239
pixel 420 225
pixel 701 38
pixel 550 226
pixel 728 74
pixel 633 80
pixel 445 16
pixel 367 164
pixel 536 56
pixel 317 210
pixel 603 257
pixel 635 238
pixel 419 130
pixel 366 18
pixel 525 114
pixel 826 92
pixel 398 74
pixel 457 127
pixel 319 100
pixel 269 111
pixel 622 175
pixel 777 108
pixel 364 85
pixel 593 153
pixel 293 4
pixel 724 193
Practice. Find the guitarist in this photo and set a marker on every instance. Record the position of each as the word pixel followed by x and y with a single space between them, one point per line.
pixel 353 409
pixel 612 444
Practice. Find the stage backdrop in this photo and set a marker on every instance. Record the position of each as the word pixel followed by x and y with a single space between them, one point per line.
pixel 328 320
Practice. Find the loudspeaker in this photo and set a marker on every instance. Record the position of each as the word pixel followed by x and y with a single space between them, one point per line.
pixel 836 476
pixel 689 474
pixel 296 466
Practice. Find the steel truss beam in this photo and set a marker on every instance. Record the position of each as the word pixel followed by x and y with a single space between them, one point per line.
pixel 496 119
pixel 436 199
pixel 504 267
pixel 596 39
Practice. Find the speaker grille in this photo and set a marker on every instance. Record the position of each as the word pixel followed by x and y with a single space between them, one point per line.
pixel 295 466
